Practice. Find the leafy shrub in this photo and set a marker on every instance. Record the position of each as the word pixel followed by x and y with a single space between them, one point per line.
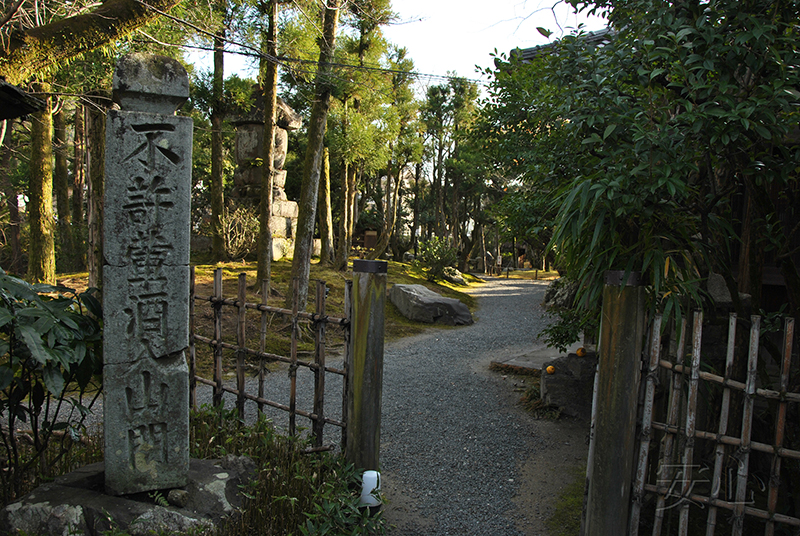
pixel 50 352
pixel 240 229
pixel 434 256
pixel 295 492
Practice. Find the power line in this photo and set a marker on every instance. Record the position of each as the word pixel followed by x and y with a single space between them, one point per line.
pixel 284 60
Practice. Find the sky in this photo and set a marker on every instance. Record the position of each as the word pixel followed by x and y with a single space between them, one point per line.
pixel 455 35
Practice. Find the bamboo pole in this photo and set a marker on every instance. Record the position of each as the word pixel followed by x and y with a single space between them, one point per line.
pixel 722 429
pixel 621 339
pixel 691 424
pixel 348 353
pixel 262 343
pixel 192 348
pixel 666 469
pixel 217 395
pixel 743 454
pixel 365 369
pixel 647 429
pixel 780 426
pixel 241 340
pixel 590 456
pixel 293 355
pixel 319 359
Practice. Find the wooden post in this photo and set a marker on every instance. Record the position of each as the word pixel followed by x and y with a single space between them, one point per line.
pixel 620 365
pixel 365 366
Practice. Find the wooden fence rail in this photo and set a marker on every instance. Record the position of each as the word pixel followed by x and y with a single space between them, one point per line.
pixel 318 321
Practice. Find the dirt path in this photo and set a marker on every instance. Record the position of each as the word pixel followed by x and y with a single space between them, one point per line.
pixel 458 453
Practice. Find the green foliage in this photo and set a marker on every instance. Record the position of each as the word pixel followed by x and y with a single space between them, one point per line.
pixel 434 256
pixel 50 346
pixel 648 141
pixel 567 327
pixel 293 492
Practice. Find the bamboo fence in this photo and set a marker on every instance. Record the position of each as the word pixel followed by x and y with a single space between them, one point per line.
pixel 674 485
pixel 318 321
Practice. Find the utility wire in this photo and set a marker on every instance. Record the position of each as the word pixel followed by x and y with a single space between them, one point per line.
pixel 284 61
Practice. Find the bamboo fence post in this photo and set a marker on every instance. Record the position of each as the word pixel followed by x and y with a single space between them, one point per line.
pixel 319 371
pixel 665 469
pixel 743 454
pixel 691 424
pixel 590 456
pixel 647 429
pixel 217 305
pixel 722 429
pixel 780 425
pixel 262 342
pixel 365 370
pixel 293 355
pixel 241 341
pixel 348 354
pixel 192 349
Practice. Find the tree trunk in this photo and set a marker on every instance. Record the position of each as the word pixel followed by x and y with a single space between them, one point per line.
pixel 61 185
pixel 41 250
pixel 12 201
pixel 415 224
pixel 438 190
pixel 348 212
pixel 78 182
pixel 96 128
pixel 217 187
pixel 41 48
pixel 307 206
pixel 325 212
pixel 269 86
pixel 390 215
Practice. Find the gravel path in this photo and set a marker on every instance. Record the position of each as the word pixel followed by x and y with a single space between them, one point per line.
pixel 452 437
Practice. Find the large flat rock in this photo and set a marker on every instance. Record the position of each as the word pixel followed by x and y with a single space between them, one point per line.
pixel 75 504
pixel 421 304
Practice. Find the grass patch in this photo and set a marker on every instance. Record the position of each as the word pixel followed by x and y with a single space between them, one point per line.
pixel 566 518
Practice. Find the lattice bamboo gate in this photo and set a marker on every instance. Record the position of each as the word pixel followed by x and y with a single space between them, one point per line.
pixel 670 476
pixel 318 322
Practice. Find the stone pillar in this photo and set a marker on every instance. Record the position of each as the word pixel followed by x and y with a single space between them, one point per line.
pixel 146 277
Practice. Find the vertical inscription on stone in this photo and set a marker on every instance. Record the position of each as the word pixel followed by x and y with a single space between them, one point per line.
pixel 146 278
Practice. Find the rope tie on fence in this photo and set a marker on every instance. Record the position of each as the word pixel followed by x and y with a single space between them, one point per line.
pixel 653 375
pixel 293 370
pixel 317 319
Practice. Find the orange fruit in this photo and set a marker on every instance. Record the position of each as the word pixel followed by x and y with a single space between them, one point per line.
pixel 581 351
pixel 551 369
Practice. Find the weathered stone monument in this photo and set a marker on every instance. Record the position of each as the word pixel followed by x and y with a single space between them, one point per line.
pixel 247 176
pixel 146 277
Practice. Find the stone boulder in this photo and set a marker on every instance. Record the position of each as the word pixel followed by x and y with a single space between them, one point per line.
pixel 420 304
pixel 560 294
pixel 452 275
pixel 570 387
pixel 75 504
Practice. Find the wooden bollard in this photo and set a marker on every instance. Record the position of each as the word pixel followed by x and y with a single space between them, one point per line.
pixel 365 364
pixel 611 471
